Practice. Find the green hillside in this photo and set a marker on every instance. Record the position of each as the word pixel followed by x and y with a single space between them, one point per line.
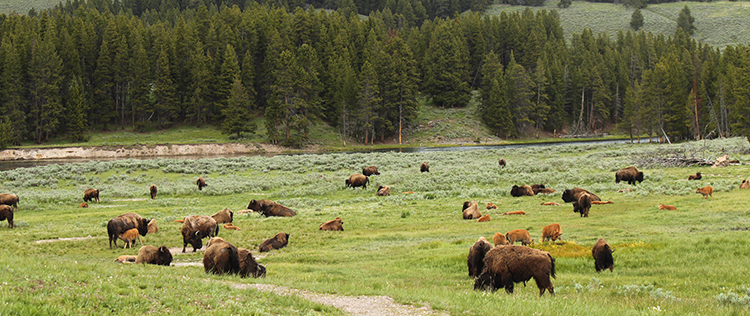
pixel 23 6
pixel 719 23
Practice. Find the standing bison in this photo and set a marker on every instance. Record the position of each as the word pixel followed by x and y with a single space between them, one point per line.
pixel 629 174
pixel 357 180
pixel 502 162
pixel 470 210
pixel 152 190
pixel 195 228
pixel 506 265
pixel 571 195
pixel 270 208
pixel 583 205
pixel 9 199
pixel 277 242
pixel 91 195
pixel 152 255
pixel 602 254
pixel 524 190
pixel 201 183
pixel 521 235
pixel 475 260
pixel 371 170
pixel 424 167
pixel 123 223
pixel 551 232
pixel 6 212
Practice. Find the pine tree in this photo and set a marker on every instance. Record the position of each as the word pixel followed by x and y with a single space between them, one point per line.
pixel 165 101
pixel 494 106
pixel 44 89
pixel 519 91
pixel 368 99
pixel 685 21
pixel 229 70
pixel 283 97
pixel 446 68
pixel 636 20
pixel 77 112
pixel 236 115
pixel 140 89
pixel 399 83
pixel 12 100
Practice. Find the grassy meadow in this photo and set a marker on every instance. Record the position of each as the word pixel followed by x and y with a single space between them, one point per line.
pixel 411 247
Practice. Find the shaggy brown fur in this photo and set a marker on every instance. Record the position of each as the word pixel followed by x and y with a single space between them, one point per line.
pixel 231 227
pixel 383 190
pixel 126 259
pixel 475 260
pixel 335 224
pixel 6 212
pixel 491 206
pixel 546 191
pixel 629 174
pixel 602 202
pixel 745 184
pixel 201 183
pixel 583 205
pixel 270 208
pixel 484 218
pixel 248 265
pixel 129 237
pixel 371 170
pixel 153 255
pixel 152 228
pixel 502 162
pixel 223 216
pixel 515 213
pixel 572 195
pixel 521 235
pixel 551 203
pixel 506 265
pixel 696 176
pixel 9 199
pixel 536 187
pixel 667 207
pixel 424 167
pixel 602 253
pixel 499 239
pixel 91 195
pixel 152 190
pixel 551 232
pixel 123 223
pixel 357 180
pixel 195 228
pixel 277 242
pixel 84 205
pixel 471 210
pixel 221 257
pixel 706 191
pixel 524 190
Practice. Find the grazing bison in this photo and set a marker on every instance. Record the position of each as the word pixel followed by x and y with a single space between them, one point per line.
pixel 602 253
pixel 248 265
pixel 551 232
pixel 546 191
pixel 383 190
pixel 129 237
pixel 521 235
pixel 9 199
pixel 424 167
pixel 696 176
pixel 91 195
pixel 471 210
pixel 123 223
pixel 277 242
pixel 6 212
pixel 270 208
pixel 335 224
pixel 506 265
pixel 152 189
pixel 536 187
pixel 499 239
pixel 706 191
pixel 201 183
pixel 357 180
pixel 502 162
pixel 371 170
pixel 491 206
pixel 667 207
pixel 629 174
pixel 524 190
pixel 745 184
pixel 484 218
pixel 126 259
pixel 475 260
pixel 515 213
pixel 152 228
pixel 150 254
pixel 571 195
pixel 221 257
pixel 583 205
pixel 195 228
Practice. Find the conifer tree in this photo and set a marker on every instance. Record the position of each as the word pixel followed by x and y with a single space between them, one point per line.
pixel 399 83
pixel 77 112
pixel 685 21
pixel 519 91
pixel 446 68
pixel 636 20
pixel 44 89
pixel 368 99
pixel 494 108
pixel 236 115
pixel 12 101
pixel 165 101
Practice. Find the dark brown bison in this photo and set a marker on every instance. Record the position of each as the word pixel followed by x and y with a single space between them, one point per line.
pixel 201 183
pixel 6 212
pixel 551 232
pixel 152 189
pixel 424 167
pixel 277 242
pixel 334 224
pixel 123 223
pixel 357 180
pixel 248 265
pixel 583 205
pixel 502 162
pixel 475 260
pixel 150 254
pixel 470 210
pixel 696 176
pixel 9 199
pixel 629 174
pixel 91 195
pixel 521 235
pixel 602 253
pixel 195 228
pixel 571 195
pixel 546 191
pixel 524 190
pixel 383 190
pixel 371 170
pixel 221 257
pixel 506 265
pixel 270 208
pixel 536 187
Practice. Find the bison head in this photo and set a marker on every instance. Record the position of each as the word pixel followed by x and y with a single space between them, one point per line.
pixel 196 240
pixel 164 256
pixel 568 196
pixel 639 176
pixel 143 226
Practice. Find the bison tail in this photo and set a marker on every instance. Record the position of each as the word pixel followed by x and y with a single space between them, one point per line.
pixel 552 270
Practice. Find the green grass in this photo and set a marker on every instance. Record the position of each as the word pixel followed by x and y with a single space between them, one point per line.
pixel 411 247
pixel 718 23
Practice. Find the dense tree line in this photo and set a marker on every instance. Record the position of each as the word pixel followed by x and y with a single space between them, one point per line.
pixel 65 72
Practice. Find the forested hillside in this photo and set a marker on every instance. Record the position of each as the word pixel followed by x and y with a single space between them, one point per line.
pixel 81 67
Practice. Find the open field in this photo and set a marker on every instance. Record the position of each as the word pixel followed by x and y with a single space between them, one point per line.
pixel 23 6
pixel 411 247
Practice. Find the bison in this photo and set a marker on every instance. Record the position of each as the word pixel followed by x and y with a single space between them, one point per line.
pixel 515 213
pixel 126 259
pixel 484 218
pixel 667 207
pixel 129 237
pixel 536 187
pixel 383 190
pixel 335 224
pixel 551 203
pixel 521 235
pixel 201 183
pixel 277 242
pixel 248 265
pixel 150 254
pixel 424 167
pixel 524 190
pixel 602 253
pixel 506 265
pixel 571 195
pixel 706 191
pixel 91 195
pixel 84 205
pixel 229 226
pixel 551 232
pixel 491 206
pixel 629 174
pixel 583 205
pixel 270 208
pixel 357 180
pixel 223 216
pixel 745 184
pixel 475 260
pixel 499 239
pixel 195 228
pixel 6 212
pixel 502 162
pixel 696 176
pixel 471 210
pixel 221 257
pixel 371 170
pixel 152 228
pixel 123 223
pixel 152 189
pixel 9 199
pixel 546 191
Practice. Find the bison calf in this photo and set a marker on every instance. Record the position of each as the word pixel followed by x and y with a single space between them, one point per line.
pixel 123 223
pixel 150 254
pixel 521 235
pixel 484 218
pixel 335 224
pixel 667 207
pixel 551 232
pixel 745 184
pixel 129 237
pixel 277 242
pixel 706 191
pixel 499 239
pixel 506 265
pixel 602 254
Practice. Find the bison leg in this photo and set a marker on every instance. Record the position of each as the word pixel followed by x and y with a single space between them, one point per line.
pixel 543 283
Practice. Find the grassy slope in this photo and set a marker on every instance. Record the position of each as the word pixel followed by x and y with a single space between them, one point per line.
pixel 718 23
pixel 23 6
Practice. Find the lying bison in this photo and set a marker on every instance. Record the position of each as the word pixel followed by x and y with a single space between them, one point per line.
pixel 371 170
pixel 270 208
pixel 524 190
pixel 277 242
pixel 334 224
pixel 9 199
pixel 248 265
pixel 537 187
pixel 6 212
pixel 475 260
pixel 91 195
pixel 745 184
pixel 470 210
pixel 506 265
pixel 602 254
pixel 150 254
pixel 357 180
pixel 152 190
pixel 221 257
pixel 629 174
pixel 123 223
pixel 383 190
pixel 696 176
pixel 571 195
pixel 195 228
